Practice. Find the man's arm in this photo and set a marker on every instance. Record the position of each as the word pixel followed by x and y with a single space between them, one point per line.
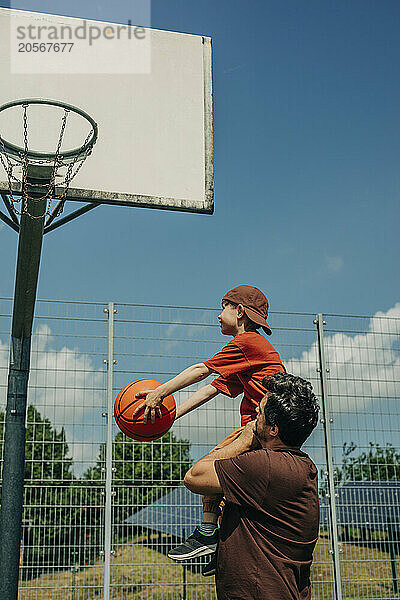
pixel 199 397
pixel 153 398
pixel 202 478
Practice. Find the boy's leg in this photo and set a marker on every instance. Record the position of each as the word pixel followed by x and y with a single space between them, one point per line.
pixel 211 504
pixel 210 568
pixel 211 512
pixel 204 539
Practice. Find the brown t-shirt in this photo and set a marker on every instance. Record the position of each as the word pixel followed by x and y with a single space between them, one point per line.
pixel 269 527
pixel 242 365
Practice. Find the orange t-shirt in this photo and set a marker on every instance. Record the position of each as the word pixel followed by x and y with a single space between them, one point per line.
pixel 242 364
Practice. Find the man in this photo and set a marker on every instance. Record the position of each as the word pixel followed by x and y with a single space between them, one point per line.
pixel 270 521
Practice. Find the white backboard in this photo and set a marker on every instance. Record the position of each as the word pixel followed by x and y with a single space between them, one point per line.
pixel 149 91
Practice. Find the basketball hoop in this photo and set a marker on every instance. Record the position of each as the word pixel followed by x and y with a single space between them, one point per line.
pixel 38 170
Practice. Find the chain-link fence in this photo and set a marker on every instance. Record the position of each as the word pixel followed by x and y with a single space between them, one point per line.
pixel 101 511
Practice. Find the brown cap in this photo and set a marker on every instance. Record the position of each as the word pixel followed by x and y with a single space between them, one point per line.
pixel 254 302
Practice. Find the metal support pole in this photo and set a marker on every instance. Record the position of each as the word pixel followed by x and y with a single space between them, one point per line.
pixel 74 571
pixel 9 222
pixel 109 468
pixel 70 217
pixel 28 261
pixel 184 572
pixel 10 209
pixel 393 546
pixel 326 421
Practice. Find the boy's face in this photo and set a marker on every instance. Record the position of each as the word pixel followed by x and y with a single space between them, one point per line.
pixel 228 319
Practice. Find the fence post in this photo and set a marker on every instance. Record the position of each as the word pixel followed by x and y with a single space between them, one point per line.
pixel 393 550
pixel 326 421
pixel 110 310
pixel 184 569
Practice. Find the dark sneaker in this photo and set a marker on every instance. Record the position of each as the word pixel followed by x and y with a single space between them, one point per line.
pixel 210 567
pixel 197 544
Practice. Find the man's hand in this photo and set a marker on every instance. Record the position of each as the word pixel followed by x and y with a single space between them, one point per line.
pixel 249 427
pixel 152 401
pixel 202 477
pixel 247 435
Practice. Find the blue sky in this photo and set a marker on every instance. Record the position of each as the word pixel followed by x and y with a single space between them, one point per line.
pixel 307 179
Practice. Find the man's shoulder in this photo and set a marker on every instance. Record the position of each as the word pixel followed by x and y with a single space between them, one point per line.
pixel 292 460
pixel 256 457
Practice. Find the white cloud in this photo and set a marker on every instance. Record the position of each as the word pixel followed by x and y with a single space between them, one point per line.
pixel 334 263
pixel 66 386
pixel 363 367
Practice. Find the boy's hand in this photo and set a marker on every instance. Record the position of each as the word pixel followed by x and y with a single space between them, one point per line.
pixel 152 401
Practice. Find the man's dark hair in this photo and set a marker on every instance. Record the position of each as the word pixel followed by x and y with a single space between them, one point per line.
pixel 292 406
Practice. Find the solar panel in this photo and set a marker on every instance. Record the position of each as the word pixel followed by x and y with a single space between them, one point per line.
pixel 370 504
pixel 359 504
pixel 175 513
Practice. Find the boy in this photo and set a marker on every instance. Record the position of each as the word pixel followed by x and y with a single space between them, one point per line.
pixel 241 365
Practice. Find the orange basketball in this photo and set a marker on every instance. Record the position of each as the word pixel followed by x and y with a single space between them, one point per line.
pixel 126 402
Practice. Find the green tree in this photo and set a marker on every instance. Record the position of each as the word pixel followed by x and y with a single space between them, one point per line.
pixel 48 494
pixel 144 471
pixel 376 464
pixel 46 449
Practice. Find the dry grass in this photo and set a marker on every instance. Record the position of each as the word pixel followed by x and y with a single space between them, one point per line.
pixel 365 573
pixel 137 573
pixel 140 573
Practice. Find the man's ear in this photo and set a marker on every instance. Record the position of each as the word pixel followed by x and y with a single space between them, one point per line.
pixel 274 430
pixel 240 311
